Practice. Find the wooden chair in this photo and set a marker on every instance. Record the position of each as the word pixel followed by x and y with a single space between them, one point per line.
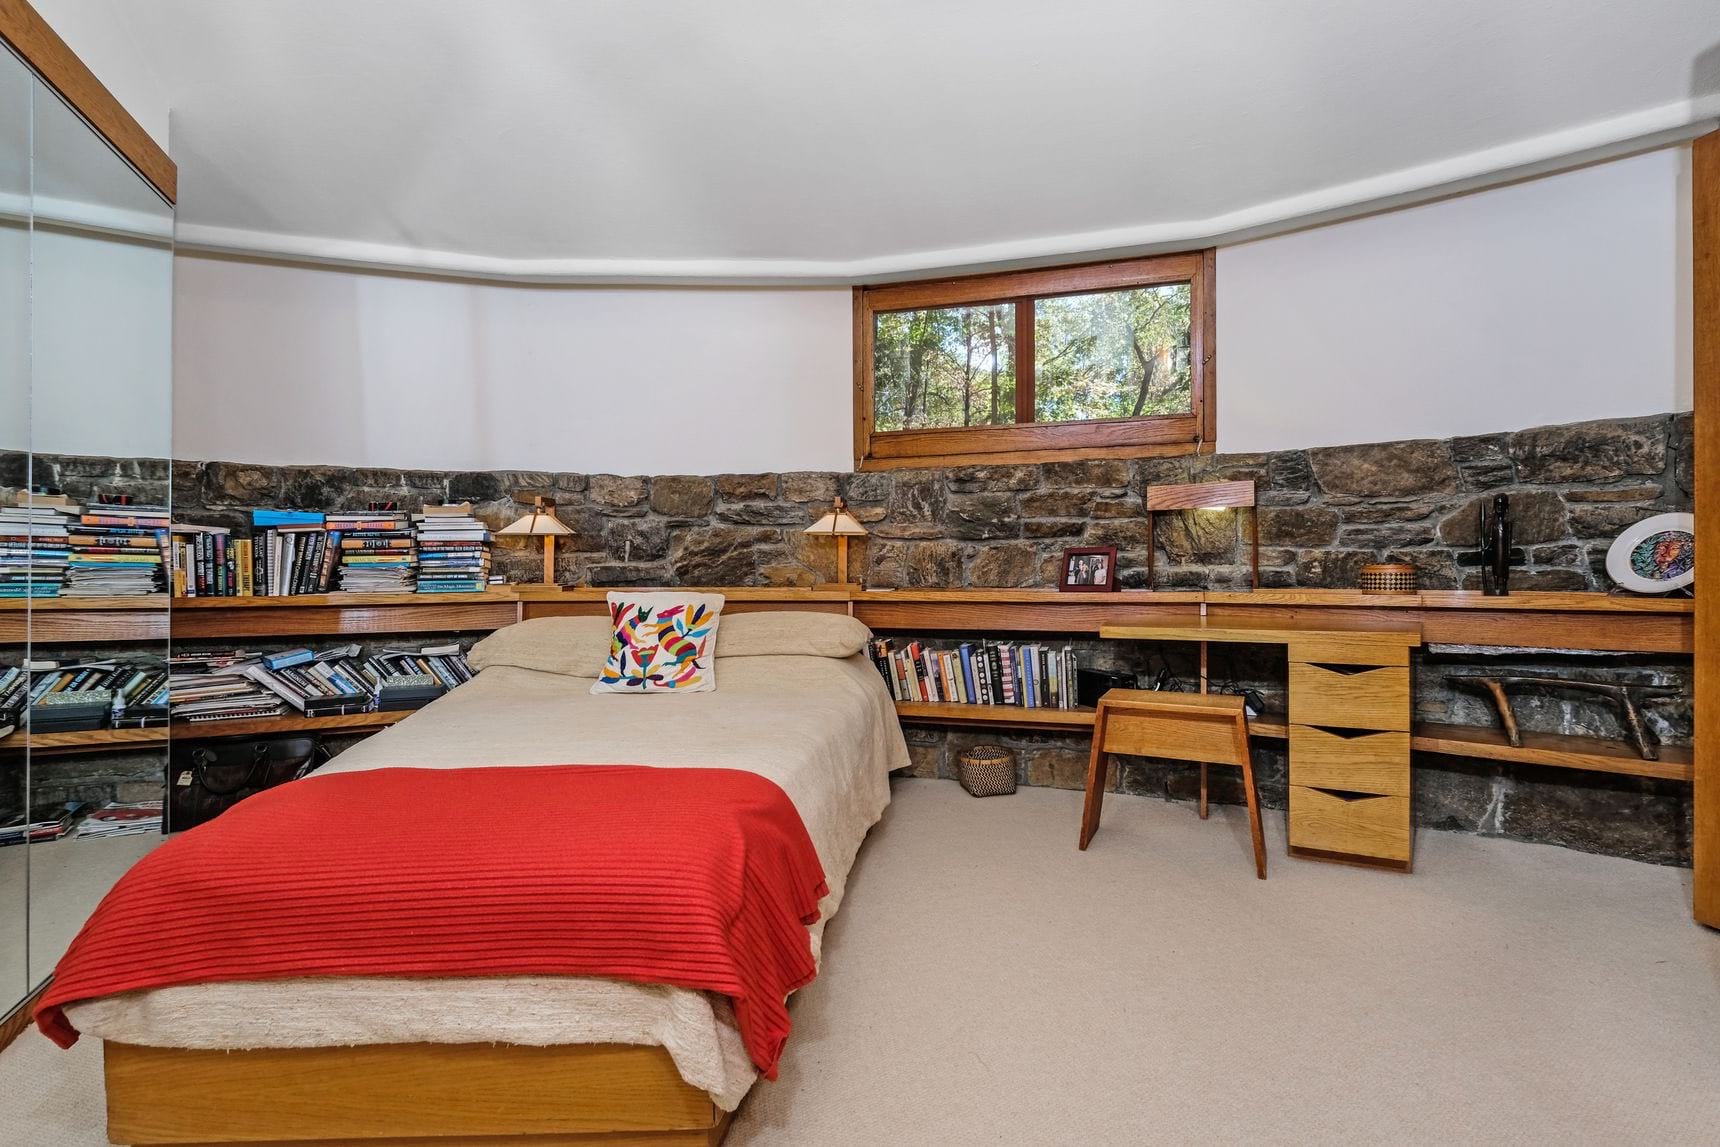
pixel 1211 728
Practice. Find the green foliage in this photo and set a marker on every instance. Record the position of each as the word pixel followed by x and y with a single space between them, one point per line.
pixel 1110 354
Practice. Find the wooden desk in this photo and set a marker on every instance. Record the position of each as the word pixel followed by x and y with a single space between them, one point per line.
pixel 1349 728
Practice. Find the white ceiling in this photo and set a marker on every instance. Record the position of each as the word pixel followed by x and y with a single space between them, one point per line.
pixel 781 140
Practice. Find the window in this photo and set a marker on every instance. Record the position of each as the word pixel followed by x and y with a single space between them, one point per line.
pixel 1100 360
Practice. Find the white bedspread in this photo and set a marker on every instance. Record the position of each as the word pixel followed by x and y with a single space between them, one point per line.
pixel 823 729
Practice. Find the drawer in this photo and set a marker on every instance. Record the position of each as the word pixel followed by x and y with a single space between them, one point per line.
pixel 1366 827
pixel 1348 697
pixel 1365 762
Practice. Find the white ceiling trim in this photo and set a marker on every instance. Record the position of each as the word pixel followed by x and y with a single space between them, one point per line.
pixel 1655 127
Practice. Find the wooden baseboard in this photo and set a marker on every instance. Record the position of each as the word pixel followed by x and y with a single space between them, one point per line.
pixel 18 1018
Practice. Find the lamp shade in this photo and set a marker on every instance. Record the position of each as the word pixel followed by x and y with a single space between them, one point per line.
pixel 837 523
pixel 540 522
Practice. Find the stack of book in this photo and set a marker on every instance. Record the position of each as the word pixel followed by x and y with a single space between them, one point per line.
pixel 33 546
pixel 208 561
pixel 316 684
pixel 44 823
pixel 1028 675
pixel 293 552
pixel 14 688
pixel 377 553
pixel 116 818
pixel 96 695
pixel 214 686
pixel 117 551
pixel 453 550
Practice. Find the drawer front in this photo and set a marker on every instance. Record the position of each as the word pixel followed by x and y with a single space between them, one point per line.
pixel 1371 762
pixel 1360 699
pixel 1366 827
pixel 1346 650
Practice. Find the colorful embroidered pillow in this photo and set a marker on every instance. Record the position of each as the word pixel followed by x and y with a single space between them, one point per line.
pixel 662 643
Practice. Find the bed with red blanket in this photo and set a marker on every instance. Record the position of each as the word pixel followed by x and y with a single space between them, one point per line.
pixel 520 866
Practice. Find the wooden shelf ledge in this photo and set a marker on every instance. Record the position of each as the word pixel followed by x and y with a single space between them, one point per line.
pixel 118 739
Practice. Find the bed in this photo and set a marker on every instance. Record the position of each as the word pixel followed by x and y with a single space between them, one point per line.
pixel 577 1059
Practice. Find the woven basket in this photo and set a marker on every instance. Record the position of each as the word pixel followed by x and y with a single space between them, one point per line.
pixel 1387 577
pixel 987 771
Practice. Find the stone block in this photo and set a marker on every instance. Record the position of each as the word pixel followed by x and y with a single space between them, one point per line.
pixel 476 486
pixel 232 484
pixel 1004 566
pixel 1126 506
pixel 1386 469
pixel 1198 536
pixel 1387 535
pixel 1297 526
pixel 1055 768
pixel 1098 472
pixel 628 574
pixel 979 517
pixel 1620 816
pixel 1289 479
pixel 1057 504
pixel 719 555
pixel 614 493
pixel 629 540
pixel 765 514
pixel 1536 516
pixel 872 486
pixel 1124 533
pixel 1158 472
pixel 1332 569
pixel 746 487
pixel 1601 451
pixel 1454 794
pixel 916 496
pixel 1682 442
pixel 1605 521
pixel 682 496
pixel 1483 461
pixel 903 565
pixel 1637 492
pixel 809 486
pixel 983 479
pixel 1053 528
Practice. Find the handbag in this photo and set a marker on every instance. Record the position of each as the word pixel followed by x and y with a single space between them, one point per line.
pixel 206 778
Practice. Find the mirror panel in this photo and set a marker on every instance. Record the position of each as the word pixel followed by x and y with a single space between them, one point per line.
pixel 101 290
pixel 16 84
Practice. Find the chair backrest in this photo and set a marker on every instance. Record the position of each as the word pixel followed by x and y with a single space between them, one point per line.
pixel 1206 727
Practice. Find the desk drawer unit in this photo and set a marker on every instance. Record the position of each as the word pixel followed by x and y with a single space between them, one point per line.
pixel 1349 753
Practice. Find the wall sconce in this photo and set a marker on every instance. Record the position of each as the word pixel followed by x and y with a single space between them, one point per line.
pixel 541 523
pixel 1206 496
pixel 841 525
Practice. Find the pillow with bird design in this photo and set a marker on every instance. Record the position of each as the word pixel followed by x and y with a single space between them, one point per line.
pixel 661 643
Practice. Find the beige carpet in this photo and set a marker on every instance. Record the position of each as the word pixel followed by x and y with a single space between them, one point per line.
pixel 987 983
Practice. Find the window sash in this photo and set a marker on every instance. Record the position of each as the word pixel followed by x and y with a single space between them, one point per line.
pixel 1028 440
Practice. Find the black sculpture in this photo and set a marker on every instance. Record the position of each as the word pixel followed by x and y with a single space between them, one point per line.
pixel 1496 557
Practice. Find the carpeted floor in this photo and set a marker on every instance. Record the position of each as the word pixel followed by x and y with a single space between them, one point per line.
pixel 988 984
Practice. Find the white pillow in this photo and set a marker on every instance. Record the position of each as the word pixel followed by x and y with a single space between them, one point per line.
pixel 792 633
pixel 661 643
pixel 576 646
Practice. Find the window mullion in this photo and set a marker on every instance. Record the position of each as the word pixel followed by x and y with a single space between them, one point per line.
pixel 1024 376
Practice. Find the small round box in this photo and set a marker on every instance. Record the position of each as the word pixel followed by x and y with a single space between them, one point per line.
pixel 1387 577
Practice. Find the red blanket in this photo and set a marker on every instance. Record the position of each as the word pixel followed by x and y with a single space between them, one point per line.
pixel 701 878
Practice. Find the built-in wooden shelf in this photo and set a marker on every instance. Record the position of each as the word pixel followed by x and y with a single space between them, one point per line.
pixel 996 716
pixel 1589 753
pixel 94 739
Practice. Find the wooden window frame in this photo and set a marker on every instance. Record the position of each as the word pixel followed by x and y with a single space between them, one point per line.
pixel 1026 440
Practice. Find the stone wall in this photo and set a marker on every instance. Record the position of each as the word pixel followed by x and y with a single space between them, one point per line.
pixel 1324 513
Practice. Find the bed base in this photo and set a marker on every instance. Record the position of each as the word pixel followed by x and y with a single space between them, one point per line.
pixel 407 1095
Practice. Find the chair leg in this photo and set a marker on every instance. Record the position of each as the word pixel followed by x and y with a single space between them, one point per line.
pixel 1254 826
pixel 1098 768
pixel 1203 809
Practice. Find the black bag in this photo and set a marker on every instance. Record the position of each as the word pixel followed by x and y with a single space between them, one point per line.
pixel 206 778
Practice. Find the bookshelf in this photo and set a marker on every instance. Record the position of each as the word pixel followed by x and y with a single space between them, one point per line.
pixel 1526 619
pixel 125 739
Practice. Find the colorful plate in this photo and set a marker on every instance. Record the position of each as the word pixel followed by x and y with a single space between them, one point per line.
pixel 1656 555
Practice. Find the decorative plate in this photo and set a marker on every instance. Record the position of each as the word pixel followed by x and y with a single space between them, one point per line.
pixel 1657 555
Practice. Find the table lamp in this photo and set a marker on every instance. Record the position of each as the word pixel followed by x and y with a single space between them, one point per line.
pixel 541 523
pixel 1206 496
pixel 841 525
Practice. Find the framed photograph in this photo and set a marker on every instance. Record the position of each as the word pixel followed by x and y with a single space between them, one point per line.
pixel 1089 569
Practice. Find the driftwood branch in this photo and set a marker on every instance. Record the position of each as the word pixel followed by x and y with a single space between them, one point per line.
pixel 1498 688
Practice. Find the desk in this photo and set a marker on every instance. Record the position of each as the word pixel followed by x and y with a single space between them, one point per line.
pixel 1349 728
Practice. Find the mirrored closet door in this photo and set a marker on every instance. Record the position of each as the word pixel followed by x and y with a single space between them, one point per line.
pixel 88 279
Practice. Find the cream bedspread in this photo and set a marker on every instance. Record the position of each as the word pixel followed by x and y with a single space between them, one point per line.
pixel 823 728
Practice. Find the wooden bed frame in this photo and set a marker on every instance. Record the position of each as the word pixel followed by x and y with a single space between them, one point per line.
pixel 396 1095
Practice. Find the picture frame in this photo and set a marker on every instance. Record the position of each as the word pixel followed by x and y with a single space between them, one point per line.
pixel 1088 569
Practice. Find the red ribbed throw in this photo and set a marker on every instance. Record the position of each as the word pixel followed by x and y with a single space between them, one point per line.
pixel 701 878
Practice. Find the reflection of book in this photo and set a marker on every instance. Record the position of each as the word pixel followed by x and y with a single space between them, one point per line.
pixel 116 818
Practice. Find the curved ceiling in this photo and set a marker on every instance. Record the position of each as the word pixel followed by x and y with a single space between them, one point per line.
pixel 786 140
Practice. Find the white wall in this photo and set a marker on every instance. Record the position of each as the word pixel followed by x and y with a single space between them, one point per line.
pixel 290 364
pixel 104 34
pixel 1557 300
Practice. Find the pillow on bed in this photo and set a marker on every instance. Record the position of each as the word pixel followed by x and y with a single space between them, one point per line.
pixel 661 643
pixel 576 646
pixel 792 633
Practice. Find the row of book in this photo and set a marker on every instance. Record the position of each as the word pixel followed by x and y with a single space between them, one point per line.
pixel 76 698
pixel 1027 674
pixel 80 819
pixel 50 546
pixel 240 684
pixel 444 549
